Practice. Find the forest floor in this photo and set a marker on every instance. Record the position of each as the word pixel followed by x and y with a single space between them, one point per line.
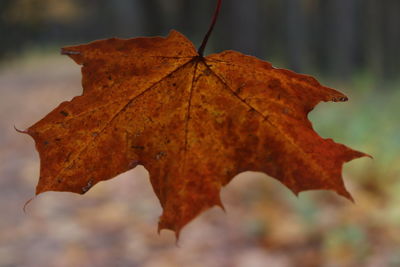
pixel 115 223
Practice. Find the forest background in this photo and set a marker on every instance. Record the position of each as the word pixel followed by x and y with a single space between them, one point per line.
pixel 351 45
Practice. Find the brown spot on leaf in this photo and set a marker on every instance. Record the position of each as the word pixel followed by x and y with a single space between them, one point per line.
pixel 64 113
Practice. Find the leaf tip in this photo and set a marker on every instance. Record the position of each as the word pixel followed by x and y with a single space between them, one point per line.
pixel 221 206
pixel 173 32
pixel 339 98
pixel 368 156
pixel 343 99
pixel 27 203
pixel 65 51
pixel 20 131
pixel 344 193
pixel 176 232
pixel 177 235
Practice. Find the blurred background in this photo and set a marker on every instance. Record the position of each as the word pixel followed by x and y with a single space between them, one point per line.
pixel 351 45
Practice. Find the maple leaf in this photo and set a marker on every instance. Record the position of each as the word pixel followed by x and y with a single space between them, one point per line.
pixel 193 122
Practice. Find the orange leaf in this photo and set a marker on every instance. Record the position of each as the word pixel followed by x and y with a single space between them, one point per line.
pixel 194 122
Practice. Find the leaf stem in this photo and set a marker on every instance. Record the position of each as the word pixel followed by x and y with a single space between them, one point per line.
pixel 210 29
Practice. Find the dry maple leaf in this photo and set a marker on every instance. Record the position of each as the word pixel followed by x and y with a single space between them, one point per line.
pixel 193 122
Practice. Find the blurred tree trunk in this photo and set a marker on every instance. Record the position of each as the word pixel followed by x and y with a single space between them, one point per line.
pixel 15 30
pixel 187 13
pixel 153 17
pixel 296 35
pixel 194 19
pixel 391 39
pixel 128 17
pixel 5 44
pixel 342 40
pixel 320 23
pixel 374 34
pixel 245 26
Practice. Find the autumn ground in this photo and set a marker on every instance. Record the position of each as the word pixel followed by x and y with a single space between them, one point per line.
pixel 115 224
